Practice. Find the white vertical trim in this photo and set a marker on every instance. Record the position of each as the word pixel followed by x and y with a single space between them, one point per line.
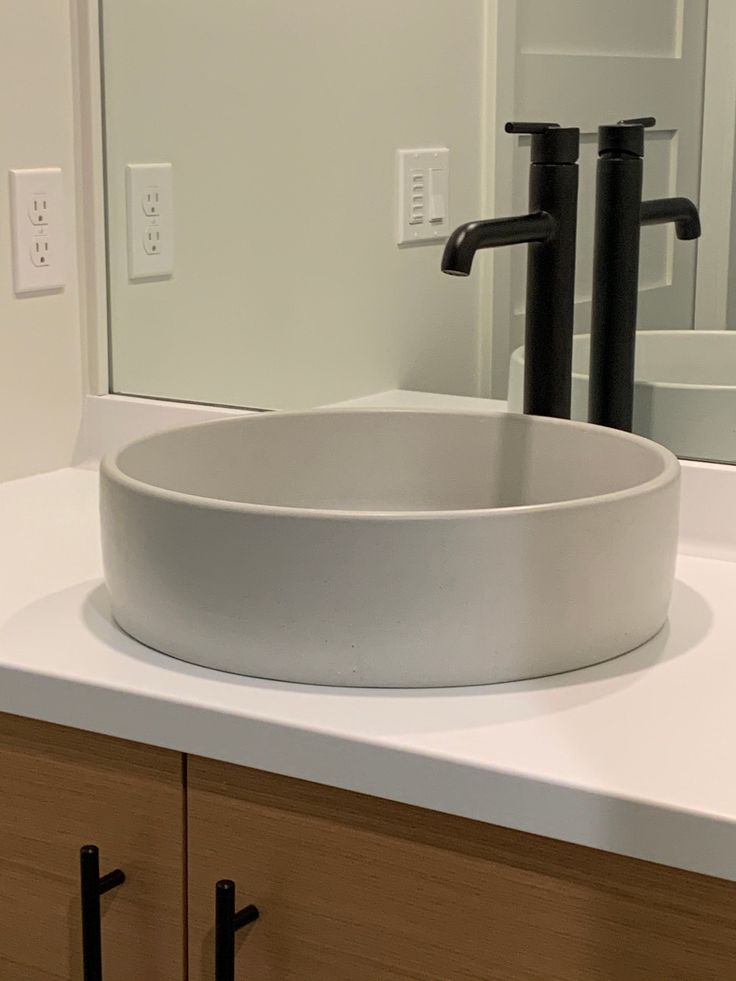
pixel 90 193
pixel 495 264
pixel 717 167
pixel 487 155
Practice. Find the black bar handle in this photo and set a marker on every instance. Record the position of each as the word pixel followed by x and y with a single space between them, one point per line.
pixel 227 923
pixel 94 886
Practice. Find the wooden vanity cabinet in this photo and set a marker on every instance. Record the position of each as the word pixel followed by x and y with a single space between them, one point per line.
pixel 352 888
pixel 349 887
pixel 61 789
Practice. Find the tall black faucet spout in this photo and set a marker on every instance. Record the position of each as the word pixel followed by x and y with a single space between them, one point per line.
pixel 681 211
pixel 549 232
pixel 466 240
pixel 620 213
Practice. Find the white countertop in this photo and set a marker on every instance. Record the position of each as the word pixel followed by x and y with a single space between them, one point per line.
pixel 635 756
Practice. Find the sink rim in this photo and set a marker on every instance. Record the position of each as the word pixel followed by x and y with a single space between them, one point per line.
pixel 670 472
pixel 517 355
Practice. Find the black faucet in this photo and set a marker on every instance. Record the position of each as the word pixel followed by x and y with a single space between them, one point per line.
pixel 549 230
pixel 619 215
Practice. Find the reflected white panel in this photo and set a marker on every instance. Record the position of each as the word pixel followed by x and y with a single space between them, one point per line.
pixel 624 28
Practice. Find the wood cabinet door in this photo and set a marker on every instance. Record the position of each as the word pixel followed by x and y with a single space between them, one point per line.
pixel 352 888
pixel 61 789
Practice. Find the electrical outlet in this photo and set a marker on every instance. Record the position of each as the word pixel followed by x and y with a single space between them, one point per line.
pixel 150 220
pixel 152 201
pixel 38 209
pixel 38 229
pixel 152 240
pixel 41 254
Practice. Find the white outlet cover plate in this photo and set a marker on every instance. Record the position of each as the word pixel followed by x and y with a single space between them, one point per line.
pixel 140 180
pixel 423 179
pixel 43 184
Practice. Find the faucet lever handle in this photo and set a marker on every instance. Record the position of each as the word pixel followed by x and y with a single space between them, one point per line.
pixel 530 127
pixel 645 121
pixel 624 138
pixel 551 143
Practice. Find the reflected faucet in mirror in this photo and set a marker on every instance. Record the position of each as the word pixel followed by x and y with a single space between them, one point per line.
pixel 549 230
pixel 620 214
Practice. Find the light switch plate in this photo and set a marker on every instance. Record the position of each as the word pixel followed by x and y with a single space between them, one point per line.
pixel 423 178
pixel 150 206
pixel 38 228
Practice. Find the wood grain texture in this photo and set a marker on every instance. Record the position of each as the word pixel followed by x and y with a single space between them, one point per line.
pixel 60 789
pixel 354 888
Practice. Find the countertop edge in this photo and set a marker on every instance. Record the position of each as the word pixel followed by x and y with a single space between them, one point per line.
pixel 641 830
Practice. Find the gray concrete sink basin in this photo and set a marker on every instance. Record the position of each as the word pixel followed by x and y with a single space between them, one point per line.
pixel 390 547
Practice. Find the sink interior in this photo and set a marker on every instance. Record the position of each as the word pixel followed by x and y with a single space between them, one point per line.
pixel 402 461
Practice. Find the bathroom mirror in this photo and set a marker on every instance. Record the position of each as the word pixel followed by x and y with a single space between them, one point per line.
pixel 263 251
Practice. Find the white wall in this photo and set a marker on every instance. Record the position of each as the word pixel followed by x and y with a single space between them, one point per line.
pixel 282 118
pixel 40 362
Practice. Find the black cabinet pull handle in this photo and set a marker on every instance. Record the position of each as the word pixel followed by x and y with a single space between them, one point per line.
pixel 227 923
pixel 94 886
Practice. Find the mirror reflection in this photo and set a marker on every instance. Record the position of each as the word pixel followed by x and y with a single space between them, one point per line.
pixel 283 178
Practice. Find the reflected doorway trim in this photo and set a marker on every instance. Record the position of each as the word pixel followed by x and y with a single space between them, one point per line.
pixel 494 348
pixel 717 192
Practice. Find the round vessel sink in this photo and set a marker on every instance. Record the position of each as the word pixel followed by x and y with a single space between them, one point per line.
pixel 390 547
pixel 685 391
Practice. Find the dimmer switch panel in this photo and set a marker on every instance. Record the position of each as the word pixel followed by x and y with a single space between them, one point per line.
pixel 150 206
pixel 423 191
